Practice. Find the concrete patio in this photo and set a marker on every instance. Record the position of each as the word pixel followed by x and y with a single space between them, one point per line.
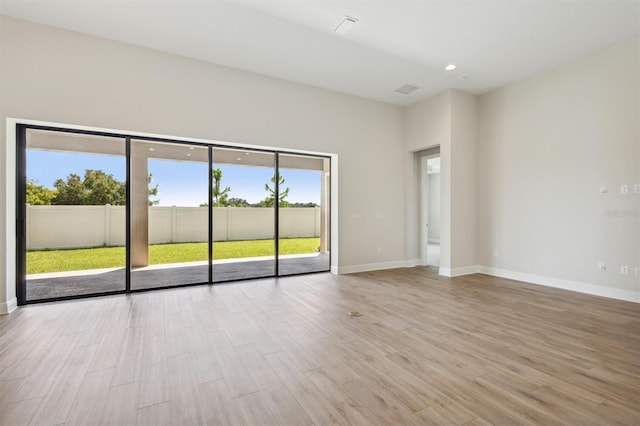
pixel 67 284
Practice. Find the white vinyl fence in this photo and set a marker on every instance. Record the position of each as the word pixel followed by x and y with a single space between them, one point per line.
pixel 56 227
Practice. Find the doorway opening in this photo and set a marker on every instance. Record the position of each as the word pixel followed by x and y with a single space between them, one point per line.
pixel 429 184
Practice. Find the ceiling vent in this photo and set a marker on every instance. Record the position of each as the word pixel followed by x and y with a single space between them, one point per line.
pixel 406 89
pixel 345 26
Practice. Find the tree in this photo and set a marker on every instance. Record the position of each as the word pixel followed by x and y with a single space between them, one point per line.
pixel 309 204
pixel 153 191
pixel 238 202
pixel 39 195
pixel 96 188
pixel 219 196
pixel 270 200
pixel 232 202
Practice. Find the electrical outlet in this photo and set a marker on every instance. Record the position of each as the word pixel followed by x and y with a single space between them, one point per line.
pixel 624 189
pixel 624 270
pixel 602 266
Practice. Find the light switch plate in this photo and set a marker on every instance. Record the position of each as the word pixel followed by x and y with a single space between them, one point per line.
pixel 624 189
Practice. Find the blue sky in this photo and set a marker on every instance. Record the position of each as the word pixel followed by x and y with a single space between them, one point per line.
pixel 180 183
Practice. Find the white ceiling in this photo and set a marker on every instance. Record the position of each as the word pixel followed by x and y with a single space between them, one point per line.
pixel 395 42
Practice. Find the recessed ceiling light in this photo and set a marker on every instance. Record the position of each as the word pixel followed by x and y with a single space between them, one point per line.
pixel 450 67
pixel 347 23
pixel 239 159
pixel 151 149
pixel 247 153
pixel 192 148
pixel 188 155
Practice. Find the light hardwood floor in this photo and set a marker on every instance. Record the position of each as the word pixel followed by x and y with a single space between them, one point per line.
pixel 473 350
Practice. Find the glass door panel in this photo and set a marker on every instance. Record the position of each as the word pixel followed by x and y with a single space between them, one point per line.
pixel 75 214
pixel 303 217
pixel 169 214
pixel 243 214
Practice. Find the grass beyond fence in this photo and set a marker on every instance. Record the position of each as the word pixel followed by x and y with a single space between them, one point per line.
pixel 44 261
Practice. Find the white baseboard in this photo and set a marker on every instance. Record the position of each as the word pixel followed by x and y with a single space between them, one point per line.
pixel 8 306
pixel 413 262
pixel 432 261
pixel 334 269
pixel 596 290
pixel 457 272
pixel 372 267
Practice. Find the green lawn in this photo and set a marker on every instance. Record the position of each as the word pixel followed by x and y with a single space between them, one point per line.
pixel 112 257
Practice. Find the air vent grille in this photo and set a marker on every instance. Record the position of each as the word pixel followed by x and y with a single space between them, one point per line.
pixel 406 89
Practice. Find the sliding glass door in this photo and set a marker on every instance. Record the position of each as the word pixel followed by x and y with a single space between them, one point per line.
pixel 303 216
pixel 74 232
pixel 169 214
pixel 243 214
pixel 103 213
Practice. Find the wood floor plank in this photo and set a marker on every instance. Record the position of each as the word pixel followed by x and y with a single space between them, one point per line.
pixel 472 350
pixel 20 413
pixel 121 405
pixel 57 404
pixel 377 399
pixel 218 408
pixel 90 400
pixel 156 415
pixel 337 396
pixel 317 407
pixel 254 410
pixel 109 347
pixel 183 388
pixel 46 372
pixel 201 349
pixel 282 404
pixel 233 371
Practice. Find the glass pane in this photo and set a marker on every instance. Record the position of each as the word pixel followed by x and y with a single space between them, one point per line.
pixel 304 214
pixel 75 214
pixel 243 215
pixel 169 214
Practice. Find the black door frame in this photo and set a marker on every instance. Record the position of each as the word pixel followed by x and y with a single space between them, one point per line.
pixel 21 180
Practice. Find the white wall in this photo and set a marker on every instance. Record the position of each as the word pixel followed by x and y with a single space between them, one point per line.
pixel 65 77
pixel 427 124
pixel 464 184
pixel 448 120
pixel 60 227
pixel 546 146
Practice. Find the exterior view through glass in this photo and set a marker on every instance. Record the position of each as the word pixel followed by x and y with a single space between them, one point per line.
pixel 303 223
pixel 75 211
pixel 169 215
